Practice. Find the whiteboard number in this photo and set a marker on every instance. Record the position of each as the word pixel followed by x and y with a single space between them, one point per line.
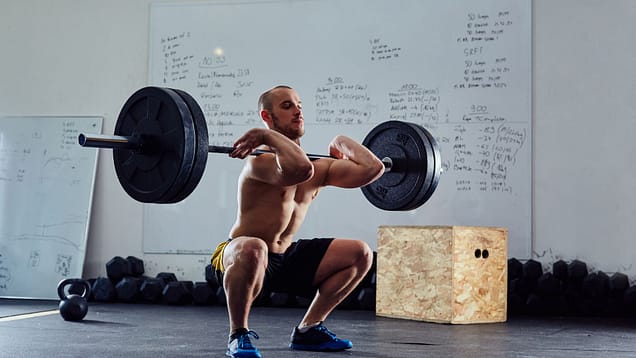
pixel 243 72
pixel 478 108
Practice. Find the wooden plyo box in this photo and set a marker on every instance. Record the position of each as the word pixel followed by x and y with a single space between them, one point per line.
pixel 444 274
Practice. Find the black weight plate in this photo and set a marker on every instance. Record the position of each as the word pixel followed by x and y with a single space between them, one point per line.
pixel 162 120
pixel 398 188
pixel 433 168
pixel 201 151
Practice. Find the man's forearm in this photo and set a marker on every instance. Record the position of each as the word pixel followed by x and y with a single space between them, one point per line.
pixel 290 157
pixel 352 150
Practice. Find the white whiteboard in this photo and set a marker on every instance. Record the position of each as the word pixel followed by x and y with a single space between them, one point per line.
pixel 459 68
pixel 46 190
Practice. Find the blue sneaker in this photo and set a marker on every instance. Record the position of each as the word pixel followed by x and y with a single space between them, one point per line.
pixel 240 345
pixel 319 339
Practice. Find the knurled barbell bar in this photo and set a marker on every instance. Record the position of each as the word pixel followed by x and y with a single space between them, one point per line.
pixel 160 147
pixel 134 143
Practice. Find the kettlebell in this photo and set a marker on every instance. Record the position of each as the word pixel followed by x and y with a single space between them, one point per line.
pixel 73 307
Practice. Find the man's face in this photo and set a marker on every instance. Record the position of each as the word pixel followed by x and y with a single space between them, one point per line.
pixel 286 114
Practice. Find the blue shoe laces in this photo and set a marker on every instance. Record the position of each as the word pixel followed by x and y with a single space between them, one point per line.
pixel 324 329
pixel 244 341
pixel 241 346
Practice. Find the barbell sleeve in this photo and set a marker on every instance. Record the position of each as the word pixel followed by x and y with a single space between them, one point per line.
pixel 108 141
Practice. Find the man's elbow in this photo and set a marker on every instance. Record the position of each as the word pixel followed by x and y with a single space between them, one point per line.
pixel 305 172
pixel 377 171
pixel 373 172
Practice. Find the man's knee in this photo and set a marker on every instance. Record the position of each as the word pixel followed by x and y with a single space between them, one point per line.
pixel 365 254
pixel 359 251
pixel 247 252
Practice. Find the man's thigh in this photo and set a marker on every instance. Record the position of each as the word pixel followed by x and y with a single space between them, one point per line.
pixel 341 254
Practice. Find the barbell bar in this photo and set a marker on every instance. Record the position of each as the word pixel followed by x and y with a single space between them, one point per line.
pixel 131 143
pixel 160 149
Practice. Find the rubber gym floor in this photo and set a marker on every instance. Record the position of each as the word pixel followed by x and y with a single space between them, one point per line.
pixel 33 328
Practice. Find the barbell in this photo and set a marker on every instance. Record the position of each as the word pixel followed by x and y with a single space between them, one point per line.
pixel 160 147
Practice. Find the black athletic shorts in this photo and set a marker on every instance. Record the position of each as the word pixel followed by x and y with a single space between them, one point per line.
pixel 294 270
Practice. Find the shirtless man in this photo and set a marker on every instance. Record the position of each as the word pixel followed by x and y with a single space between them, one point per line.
pixel 275 191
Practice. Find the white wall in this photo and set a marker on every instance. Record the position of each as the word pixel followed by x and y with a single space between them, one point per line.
pixel 79 58
pixel 584 119
pixel 86 57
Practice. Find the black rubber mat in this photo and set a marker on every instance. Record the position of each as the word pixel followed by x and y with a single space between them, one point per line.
pixel 143 330
pixel 14 307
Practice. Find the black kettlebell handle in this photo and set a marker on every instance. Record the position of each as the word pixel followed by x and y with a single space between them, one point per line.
pixel 70 281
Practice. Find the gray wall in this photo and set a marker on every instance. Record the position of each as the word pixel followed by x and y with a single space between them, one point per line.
pixel 584 120
pixel 86 57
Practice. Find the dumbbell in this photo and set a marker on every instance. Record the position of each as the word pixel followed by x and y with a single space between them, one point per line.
pixel 573 286
pixel 151 289
pixel 177 293
pixel 103 290
pixel 119 267
pixel 595 290
pixel 204 293
pixel 127 289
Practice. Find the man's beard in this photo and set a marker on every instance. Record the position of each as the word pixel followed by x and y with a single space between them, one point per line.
pixel 288 131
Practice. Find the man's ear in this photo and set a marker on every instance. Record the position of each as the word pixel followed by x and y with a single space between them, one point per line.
pixel 266 117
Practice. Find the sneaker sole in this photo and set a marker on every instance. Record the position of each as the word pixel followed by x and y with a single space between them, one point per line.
pixel 243 355
pixel 318 348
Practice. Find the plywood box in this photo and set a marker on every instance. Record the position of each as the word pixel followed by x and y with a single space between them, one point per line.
pixel 446 274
